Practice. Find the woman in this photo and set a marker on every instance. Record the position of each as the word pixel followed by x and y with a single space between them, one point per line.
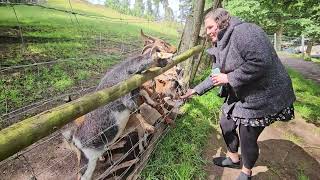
pixel 257 88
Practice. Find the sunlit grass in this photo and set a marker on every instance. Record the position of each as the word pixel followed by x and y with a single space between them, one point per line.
pixel 308 97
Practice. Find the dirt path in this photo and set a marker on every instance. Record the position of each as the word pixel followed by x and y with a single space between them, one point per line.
pixel 308 69
pixel 287 151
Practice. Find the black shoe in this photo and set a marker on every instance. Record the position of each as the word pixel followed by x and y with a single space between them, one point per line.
pixel 226 162
pixel 243 176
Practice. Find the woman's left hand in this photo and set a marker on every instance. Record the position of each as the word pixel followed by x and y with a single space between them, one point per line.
pixel 219 79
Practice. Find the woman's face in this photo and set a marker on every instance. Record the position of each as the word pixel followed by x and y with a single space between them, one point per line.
pixel 211 29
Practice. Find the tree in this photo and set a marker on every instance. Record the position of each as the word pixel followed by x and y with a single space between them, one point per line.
pixel 156 11
pixel 149 8
pixel 139 7
pixel 168 13
pixel 114 4
pixel 125 4
pixel 190 37
pixel 279 16
pixel 185 8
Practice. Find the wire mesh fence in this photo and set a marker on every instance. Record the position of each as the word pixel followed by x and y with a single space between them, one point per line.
pixel 41 68
pixel 294 45
pixel 38 62
pixel 52 159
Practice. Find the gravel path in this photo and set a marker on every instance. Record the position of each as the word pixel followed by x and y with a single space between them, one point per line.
pixel 308 69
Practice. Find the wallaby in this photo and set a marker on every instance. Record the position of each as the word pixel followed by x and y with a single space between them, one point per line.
pixel 103 126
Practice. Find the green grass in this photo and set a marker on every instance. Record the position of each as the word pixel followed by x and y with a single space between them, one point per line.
pixel 54 35
pixel 308 97
pixel 178 155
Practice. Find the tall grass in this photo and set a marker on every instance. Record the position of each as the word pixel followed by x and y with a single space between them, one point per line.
pixel 308 97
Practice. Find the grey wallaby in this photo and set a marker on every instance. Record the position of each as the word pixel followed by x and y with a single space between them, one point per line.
pixel 103 126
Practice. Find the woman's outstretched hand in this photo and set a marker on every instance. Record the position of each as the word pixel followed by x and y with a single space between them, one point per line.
pixel 188 94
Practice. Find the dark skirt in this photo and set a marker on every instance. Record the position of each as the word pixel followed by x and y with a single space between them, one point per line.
pixel 285 114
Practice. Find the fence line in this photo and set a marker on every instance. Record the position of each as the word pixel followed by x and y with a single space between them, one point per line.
pixel 26 132
pixel 111 169
pixel 53 62
pixel 24 110
pixel 111 19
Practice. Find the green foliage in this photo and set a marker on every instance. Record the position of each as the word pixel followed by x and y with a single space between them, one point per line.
pixel 302 175
pixel 185 8
pixel 295 17
pixel 139 7
pixel 178 155
pixel 63 83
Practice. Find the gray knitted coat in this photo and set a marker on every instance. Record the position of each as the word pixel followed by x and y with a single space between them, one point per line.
pixel 255 73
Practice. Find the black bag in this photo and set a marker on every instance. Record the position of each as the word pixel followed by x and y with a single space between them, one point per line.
pixel 223 91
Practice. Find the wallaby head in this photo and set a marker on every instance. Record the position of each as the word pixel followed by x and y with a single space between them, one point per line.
pixel 159 50
pixel 156 43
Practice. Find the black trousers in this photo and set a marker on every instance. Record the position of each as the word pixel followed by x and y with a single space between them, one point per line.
pixel 248 140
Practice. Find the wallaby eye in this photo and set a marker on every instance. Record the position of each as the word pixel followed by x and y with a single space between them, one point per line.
pixel 161 81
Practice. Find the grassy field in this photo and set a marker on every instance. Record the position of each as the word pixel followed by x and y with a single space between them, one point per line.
pixel 308 97
pixel 84 46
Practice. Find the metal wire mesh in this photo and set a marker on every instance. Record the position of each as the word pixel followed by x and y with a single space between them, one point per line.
pixel 29 60
pixel 26 77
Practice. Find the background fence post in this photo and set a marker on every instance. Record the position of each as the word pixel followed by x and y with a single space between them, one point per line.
pixel 302 45
pixel 275 41
pixel 100 43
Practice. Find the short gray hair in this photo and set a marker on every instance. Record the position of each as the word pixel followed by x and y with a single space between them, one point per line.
pixel 220 16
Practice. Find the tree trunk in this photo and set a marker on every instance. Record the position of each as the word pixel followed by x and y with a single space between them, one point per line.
pixel 279 35
pixel 190 39
pixel 309 47
pixel 216 4
pixel 156 9
pixel 198 61
pixel 168 13
pixel 149 7
pixel 139 7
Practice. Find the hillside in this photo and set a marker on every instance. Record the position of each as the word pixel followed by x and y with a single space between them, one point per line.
pixel 58 53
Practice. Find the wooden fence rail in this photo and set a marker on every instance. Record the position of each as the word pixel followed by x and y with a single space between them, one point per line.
pixel 20 135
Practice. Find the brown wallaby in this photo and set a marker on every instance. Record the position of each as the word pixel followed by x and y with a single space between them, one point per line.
pixel 103 126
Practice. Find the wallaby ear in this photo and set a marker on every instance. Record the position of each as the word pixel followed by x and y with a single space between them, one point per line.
pixel 154 53
pixel 144 50
pixel 147 39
